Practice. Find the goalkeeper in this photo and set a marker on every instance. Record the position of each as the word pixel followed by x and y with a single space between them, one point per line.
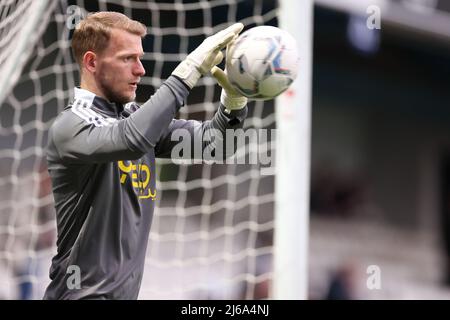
pixel 102 148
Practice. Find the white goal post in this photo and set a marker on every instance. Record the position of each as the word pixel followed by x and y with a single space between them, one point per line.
pixel 293 116
pixel 20 25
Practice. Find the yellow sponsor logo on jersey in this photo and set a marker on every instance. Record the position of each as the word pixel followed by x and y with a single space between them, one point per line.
pixel 140 178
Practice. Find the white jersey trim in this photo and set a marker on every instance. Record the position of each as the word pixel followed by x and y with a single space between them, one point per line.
pixel 82 108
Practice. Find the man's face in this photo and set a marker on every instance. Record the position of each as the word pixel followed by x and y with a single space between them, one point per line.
pixel 119 68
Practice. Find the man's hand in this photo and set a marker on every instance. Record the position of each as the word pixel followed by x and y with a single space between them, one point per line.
pixel 207 55
pixel 230 97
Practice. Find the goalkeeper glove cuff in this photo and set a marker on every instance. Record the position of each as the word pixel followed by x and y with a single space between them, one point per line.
pixel 188 73
pixel 232 103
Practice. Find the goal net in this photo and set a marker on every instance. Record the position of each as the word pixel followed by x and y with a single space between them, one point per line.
pixel 212 231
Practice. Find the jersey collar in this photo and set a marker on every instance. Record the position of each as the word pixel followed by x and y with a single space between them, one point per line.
pixel 99 103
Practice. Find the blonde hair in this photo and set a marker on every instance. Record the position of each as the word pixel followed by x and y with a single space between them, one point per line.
pixel 93 33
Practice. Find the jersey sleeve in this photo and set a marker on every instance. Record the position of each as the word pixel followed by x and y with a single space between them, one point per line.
pixel 74 139
pixel 208 137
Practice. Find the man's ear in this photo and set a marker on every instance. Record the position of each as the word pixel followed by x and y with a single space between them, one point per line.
pixel 90 61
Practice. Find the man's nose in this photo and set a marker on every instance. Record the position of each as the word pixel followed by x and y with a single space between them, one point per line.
pixel 139 69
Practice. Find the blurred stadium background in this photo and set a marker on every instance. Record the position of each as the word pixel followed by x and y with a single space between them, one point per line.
pixel 380 155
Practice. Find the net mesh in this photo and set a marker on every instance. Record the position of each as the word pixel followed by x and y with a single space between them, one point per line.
pixel 213 226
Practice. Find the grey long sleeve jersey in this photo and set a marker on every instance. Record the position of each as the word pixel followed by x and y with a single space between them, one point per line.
pixel 101 160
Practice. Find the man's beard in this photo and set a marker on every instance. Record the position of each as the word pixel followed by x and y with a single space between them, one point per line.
pixel 112 95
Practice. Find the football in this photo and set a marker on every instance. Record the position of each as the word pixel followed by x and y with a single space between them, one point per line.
pixel 262 63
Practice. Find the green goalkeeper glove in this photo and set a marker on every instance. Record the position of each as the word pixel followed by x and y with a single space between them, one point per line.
pixel 207 55
pixel 230 97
